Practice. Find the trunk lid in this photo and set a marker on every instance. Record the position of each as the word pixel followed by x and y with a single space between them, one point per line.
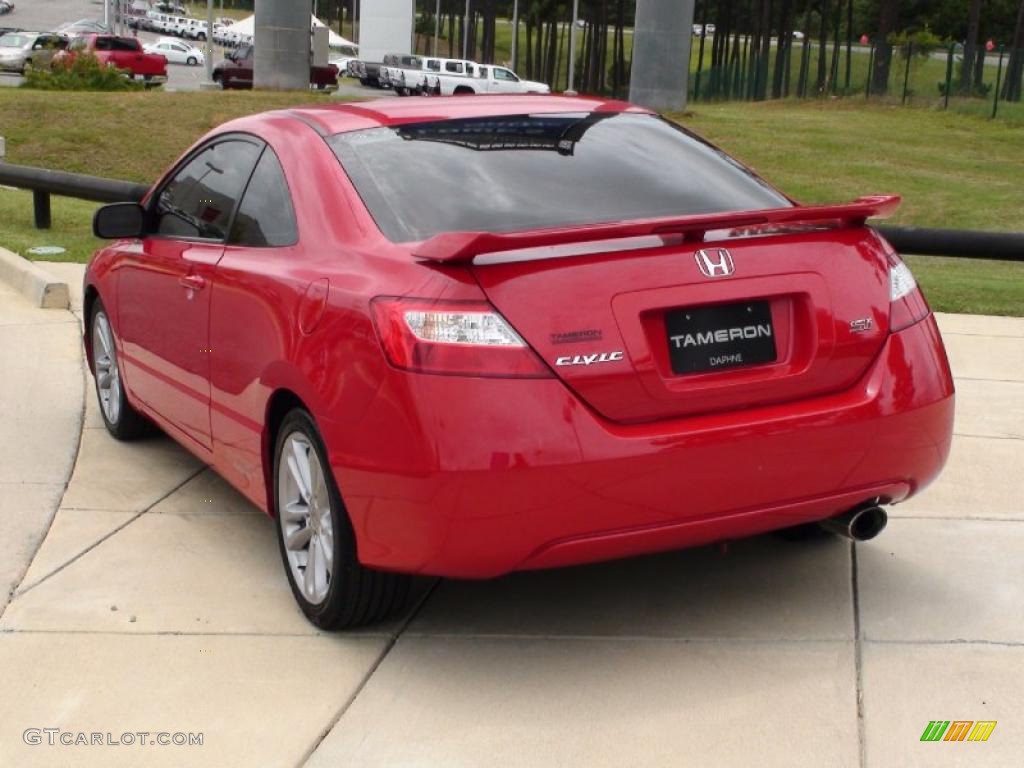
pixel 810 308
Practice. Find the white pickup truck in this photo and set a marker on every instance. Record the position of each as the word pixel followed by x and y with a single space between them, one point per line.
pixel 446 77
pixel 483 78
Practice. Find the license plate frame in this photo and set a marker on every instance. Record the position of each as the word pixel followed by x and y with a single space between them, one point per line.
pixel 720 337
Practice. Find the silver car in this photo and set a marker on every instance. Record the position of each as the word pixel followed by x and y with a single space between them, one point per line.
pixel 21 51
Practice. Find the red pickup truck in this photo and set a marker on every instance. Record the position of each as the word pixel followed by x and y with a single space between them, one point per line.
pixel 123 53
pixel 236 72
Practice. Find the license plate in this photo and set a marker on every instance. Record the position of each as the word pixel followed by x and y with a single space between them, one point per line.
pixel 713 338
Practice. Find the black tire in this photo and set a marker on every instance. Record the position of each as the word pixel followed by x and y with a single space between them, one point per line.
pixel 356 595
pixel 191 61
pixel 127 423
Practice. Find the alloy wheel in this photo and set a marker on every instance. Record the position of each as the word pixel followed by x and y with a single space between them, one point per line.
pixel 108 377
pixel 304 514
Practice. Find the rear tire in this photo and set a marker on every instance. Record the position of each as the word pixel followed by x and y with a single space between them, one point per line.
pixel 315 536
pixel 121 420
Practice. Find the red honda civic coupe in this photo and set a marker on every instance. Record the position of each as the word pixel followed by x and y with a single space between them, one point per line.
pixel 472 336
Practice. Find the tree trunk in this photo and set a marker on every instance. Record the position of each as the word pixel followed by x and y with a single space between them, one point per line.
pixel 887 18
pixel 783 49
pixel 970 45
pixel 1015 66
pixel 822 48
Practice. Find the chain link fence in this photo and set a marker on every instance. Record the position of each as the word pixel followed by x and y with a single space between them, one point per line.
pixel 988 83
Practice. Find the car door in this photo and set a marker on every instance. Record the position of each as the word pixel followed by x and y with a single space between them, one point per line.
pixel 504 81
pixel 252 320
pixel 44 49
pixel 164 300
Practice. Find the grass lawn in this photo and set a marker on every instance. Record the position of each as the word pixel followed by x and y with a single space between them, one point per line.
pixel 953 170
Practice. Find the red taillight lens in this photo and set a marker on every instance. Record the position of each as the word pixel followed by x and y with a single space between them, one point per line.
pixel 458 338
pixel 907 304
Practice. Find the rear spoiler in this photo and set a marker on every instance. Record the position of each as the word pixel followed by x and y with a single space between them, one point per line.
pixel 454 247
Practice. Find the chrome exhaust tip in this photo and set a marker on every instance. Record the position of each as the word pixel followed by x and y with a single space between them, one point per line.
pixel 859 524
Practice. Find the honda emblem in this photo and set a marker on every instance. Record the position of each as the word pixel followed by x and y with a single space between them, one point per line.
pixel 715 262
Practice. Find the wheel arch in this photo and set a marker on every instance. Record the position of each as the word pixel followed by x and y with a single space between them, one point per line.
pixel 89 298
pixel 280 403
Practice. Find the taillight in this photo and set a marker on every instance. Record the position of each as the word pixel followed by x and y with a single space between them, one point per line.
pixel 907 304
pixel 461 338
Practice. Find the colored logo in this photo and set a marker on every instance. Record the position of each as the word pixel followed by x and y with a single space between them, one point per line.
pixel 958 730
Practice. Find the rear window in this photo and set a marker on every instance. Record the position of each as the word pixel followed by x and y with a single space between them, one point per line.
pixel 502 174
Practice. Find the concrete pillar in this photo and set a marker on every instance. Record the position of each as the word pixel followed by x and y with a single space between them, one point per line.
pixel 282 44
pixel 661 54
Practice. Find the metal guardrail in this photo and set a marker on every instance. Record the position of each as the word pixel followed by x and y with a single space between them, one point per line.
pixel 44 183
pixel 961 243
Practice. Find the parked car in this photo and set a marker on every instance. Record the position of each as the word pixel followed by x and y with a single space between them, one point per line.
pixel 509 333
pixel 22 51
pixel 197 30
pixel 235 71
pixel 368 73
pixel 482 78
pixel 402 72
pixel 174 9
pixel 177 52
pixel 341 61
pixel 123 53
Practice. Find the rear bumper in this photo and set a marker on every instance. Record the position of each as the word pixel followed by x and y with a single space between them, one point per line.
pixel 474 478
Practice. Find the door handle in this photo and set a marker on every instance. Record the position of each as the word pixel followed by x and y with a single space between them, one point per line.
pixel 192 282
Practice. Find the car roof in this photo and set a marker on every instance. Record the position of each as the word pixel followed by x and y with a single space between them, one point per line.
pixel 354 116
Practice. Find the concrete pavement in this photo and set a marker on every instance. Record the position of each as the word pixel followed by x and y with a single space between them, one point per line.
pixel 157 602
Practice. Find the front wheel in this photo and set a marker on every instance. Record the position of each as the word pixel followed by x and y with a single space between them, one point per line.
pixel 192 61
pixel 316 539
pixel 121 420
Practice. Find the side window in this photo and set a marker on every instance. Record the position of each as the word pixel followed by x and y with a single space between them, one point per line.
pixel 453 66
pixel 199 200
pixel 482 73
pixel 266 216
pixel 102 44
pixel 433 65
pixel 504 74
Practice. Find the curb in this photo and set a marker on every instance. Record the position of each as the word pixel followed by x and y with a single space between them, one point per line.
pixel 33 282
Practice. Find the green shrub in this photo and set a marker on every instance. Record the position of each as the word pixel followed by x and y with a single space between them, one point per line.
pixel 85 73
pixel 922 42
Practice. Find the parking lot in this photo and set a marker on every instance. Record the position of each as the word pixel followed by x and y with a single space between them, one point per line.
pixel 156 602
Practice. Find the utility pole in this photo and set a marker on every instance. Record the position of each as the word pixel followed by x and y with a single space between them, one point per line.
pixel 209 40
pixel 465 33
pixel 437 25
pixel 515 35
pixel 572 45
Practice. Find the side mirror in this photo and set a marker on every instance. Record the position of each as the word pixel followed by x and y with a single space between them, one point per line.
pixel 118 220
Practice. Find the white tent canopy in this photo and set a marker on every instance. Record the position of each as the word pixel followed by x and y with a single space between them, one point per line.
pixel 247 26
